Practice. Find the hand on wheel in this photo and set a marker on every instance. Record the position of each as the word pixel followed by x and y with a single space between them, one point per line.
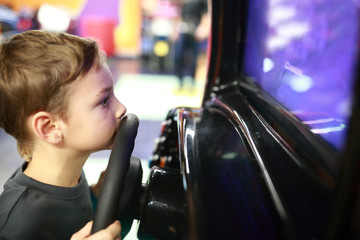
pixel 112 232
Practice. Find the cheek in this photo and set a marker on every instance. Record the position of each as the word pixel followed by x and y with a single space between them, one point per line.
pixel 77 131
pixel 106 120
pixel 78 125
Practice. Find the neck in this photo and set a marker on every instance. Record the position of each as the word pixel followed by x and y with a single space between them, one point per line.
pixel 63 171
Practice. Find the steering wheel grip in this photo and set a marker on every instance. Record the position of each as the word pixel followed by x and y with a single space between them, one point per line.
pixel 113 186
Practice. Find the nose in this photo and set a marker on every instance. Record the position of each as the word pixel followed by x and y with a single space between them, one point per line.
pixel 120 109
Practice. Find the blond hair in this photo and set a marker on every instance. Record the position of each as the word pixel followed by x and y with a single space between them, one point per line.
pixel 36 72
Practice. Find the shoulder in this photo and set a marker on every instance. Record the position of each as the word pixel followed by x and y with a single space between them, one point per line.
pixel 9 198
pixel 32 209
pixel 11 209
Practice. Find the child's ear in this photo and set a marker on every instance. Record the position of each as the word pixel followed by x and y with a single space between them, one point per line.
pixel 46 127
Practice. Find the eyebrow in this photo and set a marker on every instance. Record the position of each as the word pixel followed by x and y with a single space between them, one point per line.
pixel 104 90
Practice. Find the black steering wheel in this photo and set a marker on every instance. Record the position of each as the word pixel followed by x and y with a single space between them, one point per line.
pixel 113 186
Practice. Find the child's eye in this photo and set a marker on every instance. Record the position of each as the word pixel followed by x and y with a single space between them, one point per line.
pixel 105 102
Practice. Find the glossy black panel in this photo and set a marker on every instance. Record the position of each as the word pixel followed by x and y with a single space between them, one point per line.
pixel 304 191
pixel 314 151
pixel 228 149
pixel 228 197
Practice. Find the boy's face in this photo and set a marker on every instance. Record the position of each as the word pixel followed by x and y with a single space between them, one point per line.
pixel 94 113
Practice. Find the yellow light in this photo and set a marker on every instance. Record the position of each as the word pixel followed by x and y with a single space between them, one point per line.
pixel 161 48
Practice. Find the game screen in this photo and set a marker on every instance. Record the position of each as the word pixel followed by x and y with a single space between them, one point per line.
pixel 304 54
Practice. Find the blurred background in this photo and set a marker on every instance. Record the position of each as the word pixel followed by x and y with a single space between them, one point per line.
pixel 143 40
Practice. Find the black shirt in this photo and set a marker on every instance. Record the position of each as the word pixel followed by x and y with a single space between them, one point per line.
pixel 33 210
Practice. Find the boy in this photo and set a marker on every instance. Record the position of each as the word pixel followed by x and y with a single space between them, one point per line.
pixel 57 100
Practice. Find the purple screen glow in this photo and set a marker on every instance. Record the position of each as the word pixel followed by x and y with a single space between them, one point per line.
pixel 304 54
